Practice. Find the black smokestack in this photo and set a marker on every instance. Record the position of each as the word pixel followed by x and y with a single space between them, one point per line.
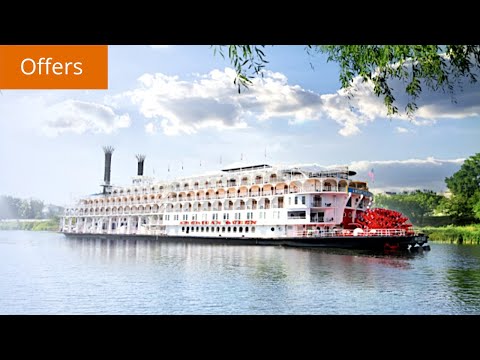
pixel 108 163
pixel 141 159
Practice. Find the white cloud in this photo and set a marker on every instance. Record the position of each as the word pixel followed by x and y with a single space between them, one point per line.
pixel 80 117
pixel 401 130
pixel 211 100
pixel 410 174
pixel 150 128
pixel 178 106
pixel 364 106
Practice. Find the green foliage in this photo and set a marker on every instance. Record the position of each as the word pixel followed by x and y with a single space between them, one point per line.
pixel 462 210
pixel 437 220
pixel 476 210
pixel 432 66
pixel 14 208
pixel 454 234
pixel 466 181
pixel 464 205
pixel 415 205
pixel 43 225
pixel 248 61
pixel 459 209
pixel 48 225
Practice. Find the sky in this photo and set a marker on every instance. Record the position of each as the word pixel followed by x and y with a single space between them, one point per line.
pixel 178 105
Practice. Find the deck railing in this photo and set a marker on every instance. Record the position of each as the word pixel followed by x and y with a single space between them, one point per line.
pixel 348 233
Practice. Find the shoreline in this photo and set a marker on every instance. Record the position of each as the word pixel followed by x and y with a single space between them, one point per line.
pixel 460 235
pixel 30 224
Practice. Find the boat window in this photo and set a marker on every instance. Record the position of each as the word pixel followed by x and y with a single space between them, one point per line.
pixel 273 229
pixel 246 229
pixel 253 229
pixel 297 214
pixel 240 229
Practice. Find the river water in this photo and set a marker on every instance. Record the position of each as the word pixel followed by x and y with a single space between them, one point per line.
pixel 47 273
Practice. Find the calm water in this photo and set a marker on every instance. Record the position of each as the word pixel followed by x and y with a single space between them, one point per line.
pixel 46 273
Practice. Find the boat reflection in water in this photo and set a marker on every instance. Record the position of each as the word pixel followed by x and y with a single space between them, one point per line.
pixel 272 263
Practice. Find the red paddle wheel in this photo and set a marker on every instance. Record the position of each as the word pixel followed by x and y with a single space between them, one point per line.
pixel 384 219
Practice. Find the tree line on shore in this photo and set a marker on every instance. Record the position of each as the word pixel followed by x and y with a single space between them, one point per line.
pixel 16 208
pixel 462 207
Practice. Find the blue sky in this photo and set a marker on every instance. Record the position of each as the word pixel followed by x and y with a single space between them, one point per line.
pixel 178 105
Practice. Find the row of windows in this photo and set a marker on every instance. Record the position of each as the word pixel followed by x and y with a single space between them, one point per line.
pixel 245 181
pixel 296 200
pixel 280 204
pixel 226 216
pixel 218 229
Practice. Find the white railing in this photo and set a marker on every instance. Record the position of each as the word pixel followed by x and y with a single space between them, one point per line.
pixel 349 233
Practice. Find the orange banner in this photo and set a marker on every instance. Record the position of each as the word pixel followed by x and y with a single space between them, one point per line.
pixel 53 67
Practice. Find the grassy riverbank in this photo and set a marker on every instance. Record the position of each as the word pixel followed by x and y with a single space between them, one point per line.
pixel 469 234
pixel 41 225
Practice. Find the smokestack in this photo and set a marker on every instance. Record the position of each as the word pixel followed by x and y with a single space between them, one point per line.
pixel 141 159
pixel 108 165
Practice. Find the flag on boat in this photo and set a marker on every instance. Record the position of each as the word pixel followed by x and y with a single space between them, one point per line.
pixel 371 175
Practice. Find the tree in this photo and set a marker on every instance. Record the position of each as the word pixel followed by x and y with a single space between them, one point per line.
pixel 432 66
pixel 14 208
pixel 466 181
pixel 476 210
pixel 36 209
pixel 5 207
pixel 10 207
pixel 464 205
pixel 459 208
pixel 24 210
pixel 415 205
